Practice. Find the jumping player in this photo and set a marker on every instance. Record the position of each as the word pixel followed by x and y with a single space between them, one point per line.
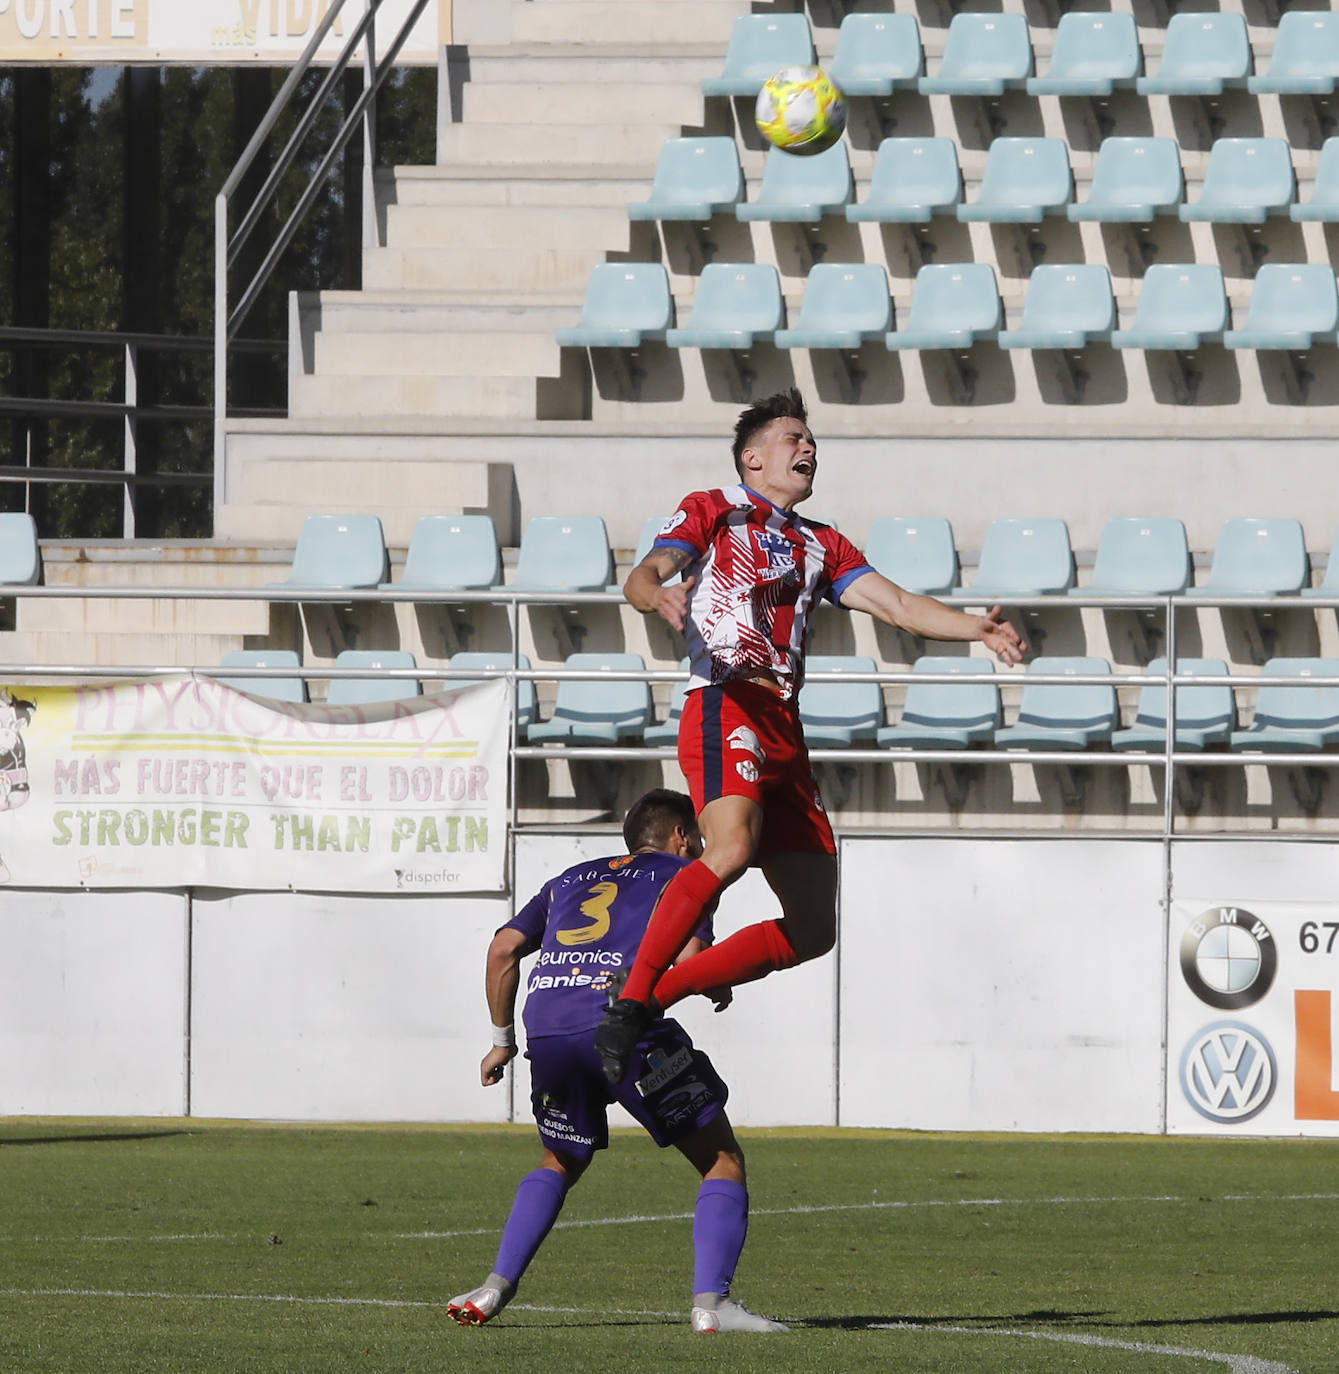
pixel 586 925
pixel 753 571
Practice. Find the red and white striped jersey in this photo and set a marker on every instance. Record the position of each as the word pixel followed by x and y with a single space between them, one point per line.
pixel 759 573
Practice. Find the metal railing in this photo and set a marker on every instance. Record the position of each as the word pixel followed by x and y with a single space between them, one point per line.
pixel 227 247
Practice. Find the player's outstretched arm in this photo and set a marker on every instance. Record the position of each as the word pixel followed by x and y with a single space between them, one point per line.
pixel 644 589
pixel 502 979
pixel 931 619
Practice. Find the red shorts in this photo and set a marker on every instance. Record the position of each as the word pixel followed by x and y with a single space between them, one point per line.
pixel 742 740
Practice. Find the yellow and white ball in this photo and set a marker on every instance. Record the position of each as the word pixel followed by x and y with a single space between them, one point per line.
pixel 801 110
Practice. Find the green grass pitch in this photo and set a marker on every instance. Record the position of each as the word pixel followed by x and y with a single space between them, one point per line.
pixel 178 1246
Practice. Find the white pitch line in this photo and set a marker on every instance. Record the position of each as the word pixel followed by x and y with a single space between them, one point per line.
pixel 1238 1364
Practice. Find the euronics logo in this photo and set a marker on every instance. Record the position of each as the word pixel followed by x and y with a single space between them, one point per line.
pixel 1228 1072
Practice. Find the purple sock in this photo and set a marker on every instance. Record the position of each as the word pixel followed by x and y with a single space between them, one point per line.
pixel 720 1223
pixel 539 1199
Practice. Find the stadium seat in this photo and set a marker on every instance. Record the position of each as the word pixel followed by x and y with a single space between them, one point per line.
pixel 564 553
pixel 1329 584
pixel 1305 60
pixel 1293 306
pixel 1257 558
pixel 737 304
pixel 667 731
pixel 1134 179
pixel 877 54
pixel 1021 558
pixel 1063 715
pixel 1202 54
pixel 1204 715
pixel 651 527
pixel 480 659
pixel 593 711
pixel 760 45
pixel 840 715
pixel 1246 180
pixel 917 553
pixel 984 55
pixel 1293 720
pixel 1094 54
pixel 801 189
pixel 20 552
pixel 626 303
pixel 695 179
pixel 360 691
pixel 953 305
pixel 913 180
pixel 338 552
pixel 1066 307
pixel 1137 556
pixel 1025 180
pixel 1181 306
pixel 844 305
pixel 947 715
pixel 276 688
pixel 451 553
pixel 1324 202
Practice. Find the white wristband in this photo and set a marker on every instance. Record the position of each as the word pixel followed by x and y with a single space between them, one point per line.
pixel 504 1037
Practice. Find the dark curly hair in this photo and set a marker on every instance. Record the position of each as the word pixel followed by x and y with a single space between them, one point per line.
pixel 785 405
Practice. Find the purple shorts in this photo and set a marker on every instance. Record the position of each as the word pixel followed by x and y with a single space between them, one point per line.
pixel 671 1089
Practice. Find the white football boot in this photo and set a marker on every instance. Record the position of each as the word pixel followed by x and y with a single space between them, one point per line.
pixel 711 1312
pixel 484 1303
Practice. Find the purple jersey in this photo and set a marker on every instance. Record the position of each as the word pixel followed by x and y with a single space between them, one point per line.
pixel 587 923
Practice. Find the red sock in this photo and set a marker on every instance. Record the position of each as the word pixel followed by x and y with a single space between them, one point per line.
pixel 745 956
pixel 677 915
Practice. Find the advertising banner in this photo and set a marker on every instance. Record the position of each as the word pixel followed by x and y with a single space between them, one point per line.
pixel 203 32
pixel 1250 1026
pixel 183 782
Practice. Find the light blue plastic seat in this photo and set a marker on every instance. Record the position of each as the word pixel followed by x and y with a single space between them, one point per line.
pixel 1204 715
pixel 338 552
pixel 1246 181
pixel 695 179
pixel 20 552
pixel 916 552
pixel 564 553
pixel 666 731
pixel 1293 306
pixel 1021 558
pixel 1329 584
pixel 1257 558
pixel 737 305
pixel 845 303
pixel 451 553
pixel 1323 205
pixel 626 303
pixel 482 659
pixel 839 715
pixel 1134 180
pixel 1025 180
pixel 1139 555
pixel 651 527
pixel 1293 720
pixel 799 190
pixel 947 715
pixel 1181 306
pixel 360 691
pixel 1094 54
pixel 760 45
pixel 953 305
pixel 594 711
pixel 1305 60
pixel 1202 54
pixel 913 180
pixel 276 688
pixel 984 55
pixel 1063 715
pixel 1067 306
pixel 877 54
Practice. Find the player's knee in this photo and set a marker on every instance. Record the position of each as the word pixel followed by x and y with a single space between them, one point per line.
pixel 811 938
pixel 729 858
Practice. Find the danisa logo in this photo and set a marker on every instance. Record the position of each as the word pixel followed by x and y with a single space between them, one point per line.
pixel 1229 958
pixel 1228 1072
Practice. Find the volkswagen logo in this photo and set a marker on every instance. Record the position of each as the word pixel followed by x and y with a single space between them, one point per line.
pixel 1228 958
pixel 1228 1072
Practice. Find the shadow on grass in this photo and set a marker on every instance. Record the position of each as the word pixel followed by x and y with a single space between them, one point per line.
pixel 1061 1319
pixel 89 1139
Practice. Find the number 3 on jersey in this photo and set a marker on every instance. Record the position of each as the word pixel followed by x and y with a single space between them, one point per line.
pixel 596 906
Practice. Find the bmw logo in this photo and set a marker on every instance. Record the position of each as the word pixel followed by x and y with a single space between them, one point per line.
pixel 1229 958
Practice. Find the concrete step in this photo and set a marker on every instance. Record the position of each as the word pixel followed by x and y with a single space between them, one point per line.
pixel 595 64
pixel 422 353
pixel 568 102
pixel 479 268
pixel 400 395
pixel 616 21
pixel 93 615
pixel 408 312
pixel 536 184
pixel 111 648
pixel 490 144
pixel 507 226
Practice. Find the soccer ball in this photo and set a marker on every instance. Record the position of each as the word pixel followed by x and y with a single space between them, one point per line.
pixel 800 110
